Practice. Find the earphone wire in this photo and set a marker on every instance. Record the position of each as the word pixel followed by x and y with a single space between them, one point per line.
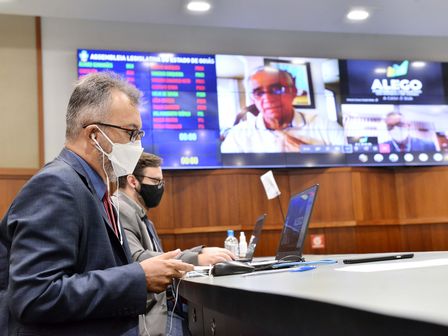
pixel 143 316
pixel 176 295
pixel 115 206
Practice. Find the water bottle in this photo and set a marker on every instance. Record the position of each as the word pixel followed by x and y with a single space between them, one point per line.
pixel 231 243
pixel 243 245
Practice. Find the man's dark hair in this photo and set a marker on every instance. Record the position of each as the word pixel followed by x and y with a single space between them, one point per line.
pixel 145 161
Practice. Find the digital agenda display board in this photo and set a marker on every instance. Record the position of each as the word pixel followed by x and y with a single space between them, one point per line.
pixel 221 111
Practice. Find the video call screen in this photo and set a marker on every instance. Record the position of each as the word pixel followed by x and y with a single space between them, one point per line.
pixel 223 111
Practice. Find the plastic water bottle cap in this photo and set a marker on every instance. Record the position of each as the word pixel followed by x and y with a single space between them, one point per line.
pixel 230 233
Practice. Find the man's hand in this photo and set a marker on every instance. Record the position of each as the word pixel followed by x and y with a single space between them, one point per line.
pixel 213 255
pixel 160 270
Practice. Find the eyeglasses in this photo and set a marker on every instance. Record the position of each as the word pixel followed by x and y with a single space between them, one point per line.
pixel 399 124
pixel 159 182
pixel 134 134
pixel 274 89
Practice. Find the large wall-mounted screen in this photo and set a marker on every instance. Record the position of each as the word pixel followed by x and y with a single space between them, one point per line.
pixel 222 111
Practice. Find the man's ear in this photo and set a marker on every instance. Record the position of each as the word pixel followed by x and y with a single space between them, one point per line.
pixel 91 132
pixel 132 181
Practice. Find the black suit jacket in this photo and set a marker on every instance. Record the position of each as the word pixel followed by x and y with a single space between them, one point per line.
pixel 62 269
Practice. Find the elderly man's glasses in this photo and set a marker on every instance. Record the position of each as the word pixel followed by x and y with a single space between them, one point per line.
pixel 273 89
pixel 158 182
pixel 134 134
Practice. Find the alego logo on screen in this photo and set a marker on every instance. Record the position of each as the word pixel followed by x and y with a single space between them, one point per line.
pixel 392 86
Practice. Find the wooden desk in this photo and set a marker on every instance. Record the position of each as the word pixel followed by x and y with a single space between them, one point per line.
pixel 324 301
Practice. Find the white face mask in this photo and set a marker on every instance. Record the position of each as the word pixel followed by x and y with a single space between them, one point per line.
pixel 124 157
pixel 399 134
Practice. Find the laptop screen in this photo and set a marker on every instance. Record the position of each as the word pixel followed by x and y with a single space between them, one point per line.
pixel 296 224
pixel 253 241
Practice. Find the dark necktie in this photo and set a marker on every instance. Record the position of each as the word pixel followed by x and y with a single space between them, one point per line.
pixel 152 234
pixel 110 213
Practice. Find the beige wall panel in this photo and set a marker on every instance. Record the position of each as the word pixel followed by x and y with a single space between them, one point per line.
pixel 18 93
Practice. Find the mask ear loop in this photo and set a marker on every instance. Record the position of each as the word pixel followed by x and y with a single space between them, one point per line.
pixel 116 205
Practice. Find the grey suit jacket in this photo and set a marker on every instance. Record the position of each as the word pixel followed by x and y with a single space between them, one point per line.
pixel 62 269
pixel 140 244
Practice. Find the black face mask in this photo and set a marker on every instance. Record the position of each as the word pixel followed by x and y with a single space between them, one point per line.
pixel 151 194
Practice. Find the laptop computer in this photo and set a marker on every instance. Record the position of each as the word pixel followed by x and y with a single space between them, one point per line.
pixel 294 229
pixel 253 241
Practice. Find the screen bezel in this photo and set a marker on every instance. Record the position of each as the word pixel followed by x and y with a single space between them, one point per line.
pixel 333 157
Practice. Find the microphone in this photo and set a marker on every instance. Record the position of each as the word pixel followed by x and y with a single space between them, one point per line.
pixel 281 209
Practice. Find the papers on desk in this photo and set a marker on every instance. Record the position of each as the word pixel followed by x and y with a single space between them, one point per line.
pixel 392 266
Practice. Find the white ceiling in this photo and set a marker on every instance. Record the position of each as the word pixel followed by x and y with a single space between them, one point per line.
pixel 395 17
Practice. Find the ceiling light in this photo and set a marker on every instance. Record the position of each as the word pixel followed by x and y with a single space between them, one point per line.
pixel 358 15
pixel 198 5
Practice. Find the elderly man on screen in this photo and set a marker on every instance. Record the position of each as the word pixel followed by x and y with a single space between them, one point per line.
pixel 278 127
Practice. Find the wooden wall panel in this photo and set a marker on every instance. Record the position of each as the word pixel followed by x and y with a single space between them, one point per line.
pixel 433 237
pixel 334 204
pixel 252 200
pixel 358 210
pixel 268 244
pixel 374 195
pixel 438 234
pixel 169 242
pixel 186 241
pixel 422 193
pixel 338 240
pixel 202 200
pixel 217 200
pixel 378 238
pixel 162 216
pixel 11 181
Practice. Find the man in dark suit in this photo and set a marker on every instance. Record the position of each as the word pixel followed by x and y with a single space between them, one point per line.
pixel 65 266
pixel 138 193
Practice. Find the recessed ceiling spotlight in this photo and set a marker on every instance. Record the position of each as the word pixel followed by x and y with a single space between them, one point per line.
pixel 198 5
pixel 358 15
